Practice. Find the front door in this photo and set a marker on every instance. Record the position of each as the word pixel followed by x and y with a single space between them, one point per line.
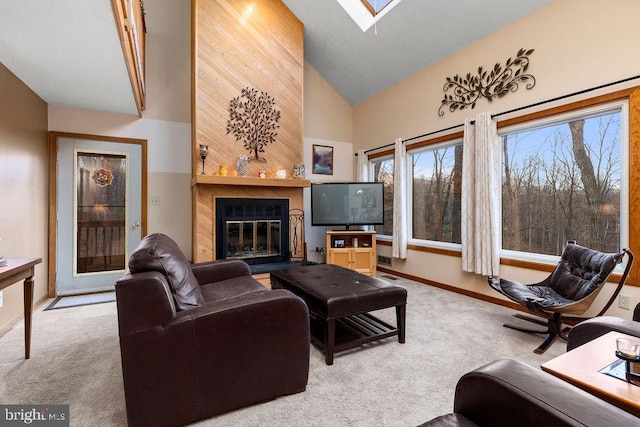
pixel 99 186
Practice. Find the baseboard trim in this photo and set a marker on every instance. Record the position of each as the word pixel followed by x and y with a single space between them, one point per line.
pixel 4 329
pixel 461 291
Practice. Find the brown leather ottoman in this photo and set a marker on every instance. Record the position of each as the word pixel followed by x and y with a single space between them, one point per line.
pixel 339 300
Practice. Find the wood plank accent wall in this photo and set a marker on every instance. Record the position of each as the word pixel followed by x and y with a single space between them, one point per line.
pixel 239 44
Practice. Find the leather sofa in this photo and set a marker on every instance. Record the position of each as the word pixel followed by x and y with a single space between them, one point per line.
pixel 593 328
pixel 509 393
pixel 199 340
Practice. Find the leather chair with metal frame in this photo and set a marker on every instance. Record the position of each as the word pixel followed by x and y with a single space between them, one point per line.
pixel 567 293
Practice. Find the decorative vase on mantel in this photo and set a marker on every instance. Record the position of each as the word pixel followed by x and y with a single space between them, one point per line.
pixel 298 171
pixel 242 165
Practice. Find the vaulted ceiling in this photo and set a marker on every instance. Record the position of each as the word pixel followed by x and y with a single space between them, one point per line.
pixel 412 36
pixel 68 51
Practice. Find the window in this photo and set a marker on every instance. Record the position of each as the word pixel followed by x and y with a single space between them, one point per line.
pixel 365 13
pixel 375 6
pixel 565 180
pixel 437 183
pixel 383 172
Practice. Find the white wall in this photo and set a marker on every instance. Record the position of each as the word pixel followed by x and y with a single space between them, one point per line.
pixel 342 172
pixel 578 44
pixel 165 123
pixel 328 120
pixel 168 162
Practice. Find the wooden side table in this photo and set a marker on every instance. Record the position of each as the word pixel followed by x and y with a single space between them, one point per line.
pixel 581 367
pixel 14 271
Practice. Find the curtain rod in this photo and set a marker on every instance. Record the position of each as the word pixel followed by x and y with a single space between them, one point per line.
pixel 511 111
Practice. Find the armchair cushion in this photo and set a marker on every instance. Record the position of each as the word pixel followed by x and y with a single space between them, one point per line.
pixel 158 252
pixel 581 270
pixel 231 288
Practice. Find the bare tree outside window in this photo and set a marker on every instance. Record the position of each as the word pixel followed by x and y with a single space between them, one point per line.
pixel 562 182
pixel 437 185
pixel 383 172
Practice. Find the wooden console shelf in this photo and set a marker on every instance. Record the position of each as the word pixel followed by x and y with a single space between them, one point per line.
pixel 343 250
pixel 249 180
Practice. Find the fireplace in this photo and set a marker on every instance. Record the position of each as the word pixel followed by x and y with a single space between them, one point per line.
pixel 254 230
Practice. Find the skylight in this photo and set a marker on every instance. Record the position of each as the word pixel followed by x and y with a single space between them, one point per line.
pixel 367 12
pixel 375 6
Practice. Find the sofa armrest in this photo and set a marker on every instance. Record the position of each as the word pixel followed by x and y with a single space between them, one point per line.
pixel 144 301
pixel 593 328
pixel 507 392
pixel 215 271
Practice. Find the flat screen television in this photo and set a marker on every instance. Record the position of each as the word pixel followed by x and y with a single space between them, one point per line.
pixel 347 203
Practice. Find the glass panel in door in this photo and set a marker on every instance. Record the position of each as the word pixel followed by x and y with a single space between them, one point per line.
pixel 101 193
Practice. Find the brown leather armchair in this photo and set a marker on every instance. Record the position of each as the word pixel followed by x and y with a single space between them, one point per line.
pixel 598 326
pixel 509 393
pixel 199 340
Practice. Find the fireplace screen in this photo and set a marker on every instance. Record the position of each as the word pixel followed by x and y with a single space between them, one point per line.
pixel 253 239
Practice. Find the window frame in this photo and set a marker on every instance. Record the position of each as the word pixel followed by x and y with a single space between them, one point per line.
pixel 631 94
pixel 372 11
pixel 619 105
pixel 379 158
pixel 420 147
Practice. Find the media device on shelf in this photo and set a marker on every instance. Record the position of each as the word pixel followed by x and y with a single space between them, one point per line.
pixel 347 204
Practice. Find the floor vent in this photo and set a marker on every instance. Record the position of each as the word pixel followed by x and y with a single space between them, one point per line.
pixel 384 260
pixel 386 276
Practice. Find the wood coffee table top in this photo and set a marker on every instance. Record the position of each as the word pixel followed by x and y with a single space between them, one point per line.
pixel 581 367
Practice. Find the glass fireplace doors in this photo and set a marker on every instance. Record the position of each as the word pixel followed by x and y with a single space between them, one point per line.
pixel 253 239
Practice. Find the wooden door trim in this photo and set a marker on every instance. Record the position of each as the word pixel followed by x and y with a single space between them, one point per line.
pixel 53 200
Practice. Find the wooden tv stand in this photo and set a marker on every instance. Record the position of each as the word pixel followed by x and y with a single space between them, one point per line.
pixel 342 250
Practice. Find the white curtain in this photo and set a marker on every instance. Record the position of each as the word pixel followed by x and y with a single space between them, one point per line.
pixel 399 238
pixel 362 166
pixel 362 174
pixel 480 210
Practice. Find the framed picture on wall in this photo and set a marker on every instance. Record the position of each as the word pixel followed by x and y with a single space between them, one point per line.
pixel 323 159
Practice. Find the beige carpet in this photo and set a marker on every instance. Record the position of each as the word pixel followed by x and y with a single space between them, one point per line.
pixel 75 360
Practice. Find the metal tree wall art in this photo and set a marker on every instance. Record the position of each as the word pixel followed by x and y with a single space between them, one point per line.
pixel 253 120
pixel 495 83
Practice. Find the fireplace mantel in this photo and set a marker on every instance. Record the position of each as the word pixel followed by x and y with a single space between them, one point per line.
pixel 249 181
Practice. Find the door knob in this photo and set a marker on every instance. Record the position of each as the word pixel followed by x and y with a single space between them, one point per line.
pixel 136 224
